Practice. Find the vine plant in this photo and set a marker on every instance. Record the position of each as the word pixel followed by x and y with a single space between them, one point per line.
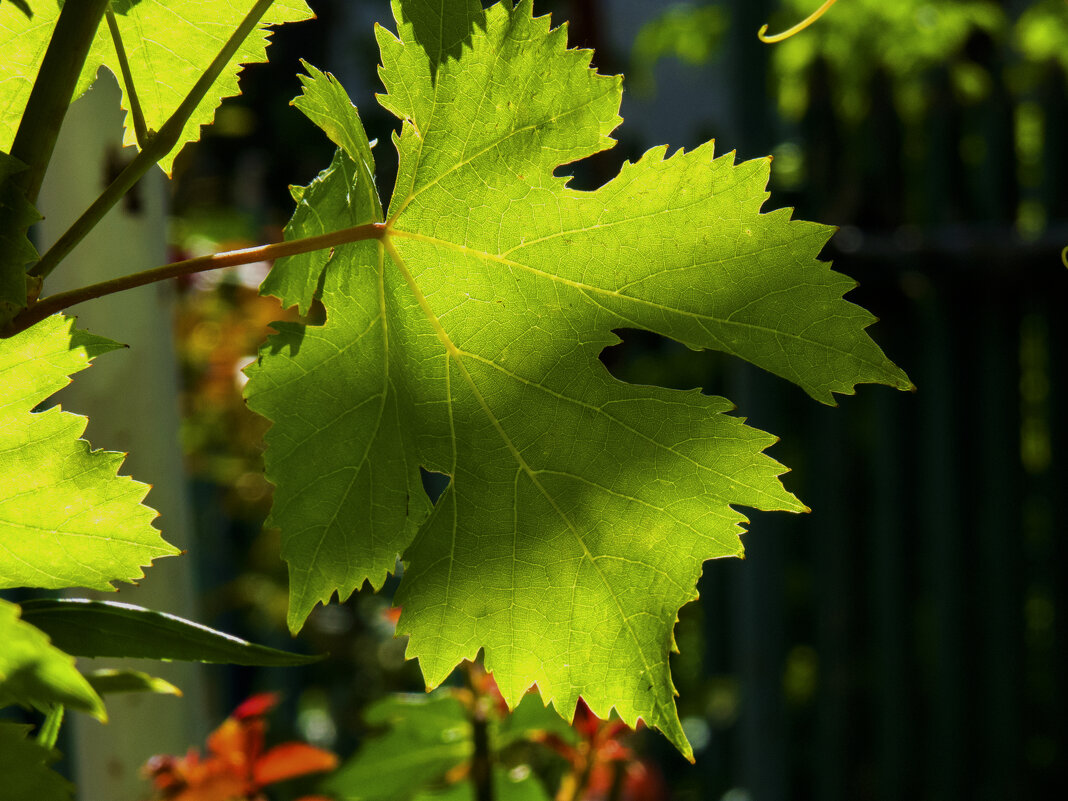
pixel 463 326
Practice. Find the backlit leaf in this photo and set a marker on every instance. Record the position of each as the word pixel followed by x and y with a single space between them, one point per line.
pixel 34 673
pixel 169 44
pixel 580 509
pixel 66 518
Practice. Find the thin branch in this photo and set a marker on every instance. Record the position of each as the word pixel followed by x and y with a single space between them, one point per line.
pixel 158 146
pixel 140 128
pixel 53 89
pixel 49 731
pixel 482 759
pixel 778 37
pixel 64 300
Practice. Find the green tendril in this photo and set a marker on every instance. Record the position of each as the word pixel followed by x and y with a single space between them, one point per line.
pixel 819 12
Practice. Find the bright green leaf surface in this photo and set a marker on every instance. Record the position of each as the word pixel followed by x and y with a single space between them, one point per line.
pixel 169 44
pixel 427 736
pixel 35 673
pixel 66 518
pixel 25 771
pixel 106 628
pixel 580 508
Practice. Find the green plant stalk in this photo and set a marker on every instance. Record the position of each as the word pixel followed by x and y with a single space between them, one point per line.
pixel 481 772
pixel 157 147
pixel 62 300
pixel 140 128
pixel 53 90
pixel 49 731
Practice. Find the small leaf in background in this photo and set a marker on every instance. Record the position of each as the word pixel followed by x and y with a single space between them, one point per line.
pixel 66 518
pixel 34 673
pixel 109 680
pixel 24 771
pixel 107 628
pixel 425 737
pixel 236 766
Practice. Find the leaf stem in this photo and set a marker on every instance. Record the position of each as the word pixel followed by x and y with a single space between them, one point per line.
pixel 53 90
pixel 140 128
pixel 63 300
pixel 482 759
pixel 48 734
pixel 778 37
pixel 157 147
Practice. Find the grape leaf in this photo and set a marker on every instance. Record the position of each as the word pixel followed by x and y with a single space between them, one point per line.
pixel 24 766
pixel 580 508
pixel 66 518
pixel 169 44
pixel 34 673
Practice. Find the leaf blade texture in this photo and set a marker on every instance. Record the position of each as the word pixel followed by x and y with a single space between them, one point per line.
pixel 105 628
pixel 24 766
pixel 66 518
pixel 169 44
pixel 580 509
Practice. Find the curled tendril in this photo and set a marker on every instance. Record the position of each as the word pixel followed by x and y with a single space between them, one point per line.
pixel 762 34
pixel 1064 256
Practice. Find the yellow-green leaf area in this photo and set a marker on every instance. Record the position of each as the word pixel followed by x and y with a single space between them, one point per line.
pixel 66 518
pixel 580 509
pixel 169 44
pixel 36 674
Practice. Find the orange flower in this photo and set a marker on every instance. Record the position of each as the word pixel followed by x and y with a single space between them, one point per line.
pixel 236 766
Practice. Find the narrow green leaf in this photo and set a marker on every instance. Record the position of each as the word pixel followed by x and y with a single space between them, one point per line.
pixel 105 628
pixel 35 673
pixel 129 681
pixel 24 768
pixel 66 518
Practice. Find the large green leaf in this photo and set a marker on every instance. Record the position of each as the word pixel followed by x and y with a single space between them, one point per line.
pixel 66 518
pixel 169 44
pixel 580 508
pixel 25 771
pixel 105 628
pixel 35 673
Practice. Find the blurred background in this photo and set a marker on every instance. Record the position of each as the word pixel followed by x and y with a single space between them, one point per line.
pixel 907 638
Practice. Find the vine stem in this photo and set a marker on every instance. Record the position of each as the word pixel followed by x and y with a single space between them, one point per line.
pixel 49 731
pixel 63 300
pixel 158 146
pixel 53 90
pixel 140 128
pixel 482 758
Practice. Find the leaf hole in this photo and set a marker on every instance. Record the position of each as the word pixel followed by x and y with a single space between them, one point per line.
pixel 434 483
